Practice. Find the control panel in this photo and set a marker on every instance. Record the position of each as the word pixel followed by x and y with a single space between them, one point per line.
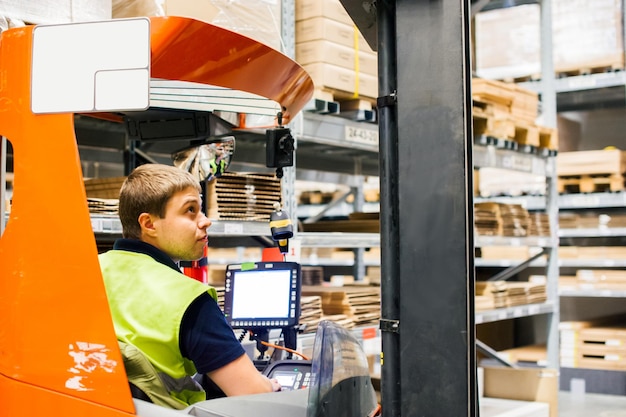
pixel 290 374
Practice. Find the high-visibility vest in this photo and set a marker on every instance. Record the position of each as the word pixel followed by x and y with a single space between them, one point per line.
pixel 147 301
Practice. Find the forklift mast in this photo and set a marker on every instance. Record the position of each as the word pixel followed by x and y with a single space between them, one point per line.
pixel 58 349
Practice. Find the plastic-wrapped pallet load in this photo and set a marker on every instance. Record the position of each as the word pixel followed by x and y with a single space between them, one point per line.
pixel 256 19
pixel 55 11
pixel 587 37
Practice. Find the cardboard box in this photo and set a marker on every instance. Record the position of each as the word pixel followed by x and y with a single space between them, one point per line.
pixel 505 252
pixel 524 384
pixel 507 42
pixel 332 9
pixel 591 162
pixel 322 28
pixel 338 78
pixel 58 11
pixel 324 51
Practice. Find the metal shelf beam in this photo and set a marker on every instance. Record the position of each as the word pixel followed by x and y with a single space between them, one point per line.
pixel 492 157
pixel 599 293
pixel 593 232
pixel 526 310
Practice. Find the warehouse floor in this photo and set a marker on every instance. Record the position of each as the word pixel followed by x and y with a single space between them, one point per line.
pixel 591 405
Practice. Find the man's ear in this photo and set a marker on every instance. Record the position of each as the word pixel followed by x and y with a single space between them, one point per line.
pixel 146 221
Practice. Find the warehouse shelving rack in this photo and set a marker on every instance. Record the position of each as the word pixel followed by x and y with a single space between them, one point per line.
pixel 605 90
pixel 429 397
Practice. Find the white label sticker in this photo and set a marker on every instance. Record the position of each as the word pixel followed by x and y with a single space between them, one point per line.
pixel 360 135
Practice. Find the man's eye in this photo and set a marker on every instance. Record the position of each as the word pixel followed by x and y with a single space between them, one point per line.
pixel 192 209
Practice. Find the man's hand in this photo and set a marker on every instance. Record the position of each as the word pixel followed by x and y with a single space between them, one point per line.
pixel 275 385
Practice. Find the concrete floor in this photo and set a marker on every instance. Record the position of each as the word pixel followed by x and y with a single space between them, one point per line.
pixel 591 405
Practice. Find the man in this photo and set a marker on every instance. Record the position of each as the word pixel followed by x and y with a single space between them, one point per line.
pixel 170 319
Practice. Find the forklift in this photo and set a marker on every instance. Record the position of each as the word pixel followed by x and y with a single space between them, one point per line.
pixel 58 350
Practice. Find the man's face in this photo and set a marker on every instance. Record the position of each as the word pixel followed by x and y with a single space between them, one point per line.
pixel 182 233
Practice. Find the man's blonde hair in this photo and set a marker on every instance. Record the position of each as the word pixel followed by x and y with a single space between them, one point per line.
pixel 147 190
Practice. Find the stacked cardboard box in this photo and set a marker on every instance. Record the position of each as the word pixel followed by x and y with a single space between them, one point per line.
pixel 599 343
pixel 334 53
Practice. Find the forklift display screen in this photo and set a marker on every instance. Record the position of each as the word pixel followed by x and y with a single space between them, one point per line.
pixel 262 295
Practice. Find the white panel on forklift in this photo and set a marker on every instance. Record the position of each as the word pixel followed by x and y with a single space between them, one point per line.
pixel 92 66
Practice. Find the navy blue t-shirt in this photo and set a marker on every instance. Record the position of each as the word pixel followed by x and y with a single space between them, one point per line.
pixel 205 336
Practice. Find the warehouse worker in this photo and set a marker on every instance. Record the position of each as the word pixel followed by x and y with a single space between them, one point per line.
pixel 158 313
pixel 219 163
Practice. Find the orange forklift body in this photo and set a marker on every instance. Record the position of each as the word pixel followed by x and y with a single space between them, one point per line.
pixel 58 350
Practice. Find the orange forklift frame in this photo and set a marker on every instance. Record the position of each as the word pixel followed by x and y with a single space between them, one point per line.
pixel 58 350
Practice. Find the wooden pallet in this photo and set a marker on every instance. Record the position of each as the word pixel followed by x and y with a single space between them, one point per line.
pixel 548 138
pixel 360 109
pixel 345 98
pixel 590 183
pixel 485 124
pixel 509 133
pixel 591 69
pixel 522 78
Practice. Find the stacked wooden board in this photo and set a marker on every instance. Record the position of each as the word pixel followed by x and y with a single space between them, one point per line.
pixel 592 252
pixel 504 114
pixel 538 224
pixel 233 196
pixel 500 294
pixel 310 312
pixel 595 279
pixel 534 355
pixel 312 275
pixel 501 219
pixel 103 205
pixel 591 171
pixel 359 303
pixel 103 194
pixel 106 188
pixel 245 197
pixel 570 220
pixel 357 223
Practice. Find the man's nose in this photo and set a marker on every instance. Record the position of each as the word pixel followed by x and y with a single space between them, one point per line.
pixel 204 223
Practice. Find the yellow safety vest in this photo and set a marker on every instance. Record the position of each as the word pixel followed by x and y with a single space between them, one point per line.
pixel 147 301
